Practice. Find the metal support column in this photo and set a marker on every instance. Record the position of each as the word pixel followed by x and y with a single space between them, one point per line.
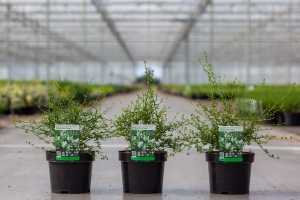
pixel 102 65
pixel 212 32
pixel 36 56
pixel 290 30
pixel 170 72
pixel 8 43
pixel 84 29
pixel 9 56
pixel 187 60
pixel 48 64
pixel 102 72
pixel 167 73
pixel 249 46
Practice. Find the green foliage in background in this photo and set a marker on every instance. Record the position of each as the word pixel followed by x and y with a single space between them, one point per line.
pixel 279 98
pixel 17 96
pixel 273 98
pixel 81 92
pixel 227 90
pixel 147 109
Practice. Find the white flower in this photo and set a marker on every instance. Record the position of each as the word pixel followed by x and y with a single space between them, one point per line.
pixel 206 147
pixel 227 146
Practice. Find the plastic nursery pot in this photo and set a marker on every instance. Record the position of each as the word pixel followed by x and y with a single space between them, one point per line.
pixel 292 119
pixel 70 177
pixel 142 177
pixel 277 118
pixel 27 110
pixel 229 178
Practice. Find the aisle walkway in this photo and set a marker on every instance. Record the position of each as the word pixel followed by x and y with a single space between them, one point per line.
pixel 24 171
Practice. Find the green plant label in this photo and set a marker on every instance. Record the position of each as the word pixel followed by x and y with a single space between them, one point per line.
pixel 231 144
pixel 67 142
pixel 230 157
pixel 142 141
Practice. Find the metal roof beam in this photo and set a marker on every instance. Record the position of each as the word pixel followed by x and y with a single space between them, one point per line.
pixel 201 9
pixel 44 52
pixel 140 12
pixel 111 25
pixel 25 55
pixel 36 26
pixel 29 52
pixel 263 24
pixel 171 21
pixel 158 3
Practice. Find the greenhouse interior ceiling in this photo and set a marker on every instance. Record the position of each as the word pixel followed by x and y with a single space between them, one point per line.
pixel 106 41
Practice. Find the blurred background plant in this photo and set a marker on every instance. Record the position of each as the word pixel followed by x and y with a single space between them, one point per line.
pixel 28 97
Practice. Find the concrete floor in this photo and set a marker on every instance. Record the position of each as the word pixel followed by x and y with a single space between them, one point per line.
pixel 24 171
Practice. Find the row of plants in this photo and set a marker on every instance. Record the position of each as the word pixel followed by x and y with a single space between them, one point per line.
pixel 229 90
pixel 27 97
pixel 283 100
pixel 222 132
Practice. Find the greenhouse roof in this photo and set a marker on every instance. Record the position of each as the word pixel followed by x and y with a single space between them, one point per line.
pixel 54 31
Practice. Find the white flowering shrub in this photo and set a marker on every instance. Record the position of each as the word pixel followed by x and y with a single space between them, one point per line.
pixel 205 122
pixel 64 110
pixel 147 109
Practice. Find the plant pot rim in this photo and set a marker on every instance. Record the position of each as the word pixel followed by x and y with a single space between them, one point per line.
pixel 291 113
pixel 125 156
pixel 213 156
pixel 84 157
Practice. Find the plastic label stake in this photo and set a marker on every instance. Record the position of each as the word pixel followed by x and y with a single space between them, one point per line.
pixel 231 143
pixel 142 139
pixel 67 142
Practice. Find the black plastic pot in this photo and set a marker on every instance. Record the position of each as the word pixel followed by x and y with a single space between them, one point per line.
pixel 27 110
pixel 292 119
pixel 70 177
pixel 142 177
pixel 229 178
pixel 277 118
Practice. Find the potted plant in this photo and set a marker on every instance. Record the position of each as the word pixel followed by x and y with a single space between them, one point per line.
pixel 291 106
pixel 222 131
pixel 143 124
pixel 75 133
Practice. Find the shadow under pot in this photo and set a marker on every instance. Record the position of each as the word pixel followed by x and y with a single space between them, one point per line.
pixel 229 178
pixel 142 177
pixel 70 177
pixel 292 119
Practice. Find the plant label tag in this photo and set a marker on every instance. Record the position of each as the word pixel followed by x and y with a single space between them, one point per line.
pixel 231 144
pixel 142 139
pixel 67 142
pixel 230 157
